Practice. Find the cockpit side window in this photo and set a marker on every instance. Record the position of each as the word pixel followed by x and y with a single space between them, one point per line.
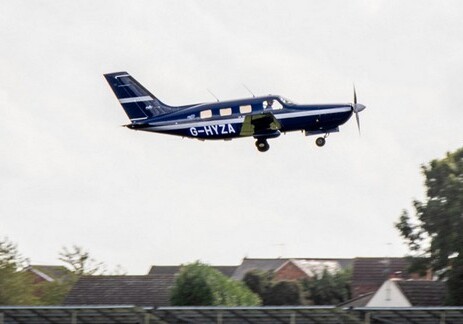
pixel 286 101
pixel 272 104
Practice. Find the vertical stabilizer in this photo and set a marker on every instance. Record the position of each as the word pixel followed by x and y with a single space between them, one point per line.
pixel 137 102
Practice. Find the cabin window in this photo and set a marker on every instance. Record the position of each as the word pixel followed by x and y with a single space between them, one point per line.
pixel 206 114
pixel 225 112
pixel 245 109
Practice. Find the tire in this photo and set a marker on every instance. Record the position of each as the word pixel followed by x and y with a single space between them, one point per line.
pixel 320 141
pixel 262 145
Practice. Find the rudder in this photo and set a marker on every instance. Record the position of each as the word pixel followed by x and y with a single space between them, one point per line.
pixel 136 100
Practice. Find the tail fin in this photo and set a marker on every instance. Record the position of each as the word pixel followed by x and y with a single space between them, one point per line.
pixel 137 102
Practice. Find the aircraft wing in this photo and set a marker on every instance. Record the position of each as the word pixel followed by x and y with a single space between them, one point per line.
pixel 260 125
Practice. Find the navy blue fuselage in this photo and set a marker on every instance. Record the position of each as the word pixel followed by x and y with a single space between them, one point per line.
pixel 260 117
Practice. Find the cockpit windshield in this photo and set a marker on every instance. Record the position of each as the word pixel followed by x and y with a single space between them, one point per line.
pixel 286 101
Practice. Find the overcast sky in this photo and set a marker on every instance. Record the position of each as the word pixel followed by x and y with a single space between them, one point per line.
pixel 69 174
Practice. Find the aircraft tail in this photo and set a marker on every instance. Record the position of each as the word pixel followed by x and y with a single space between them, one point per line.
pixel 137 102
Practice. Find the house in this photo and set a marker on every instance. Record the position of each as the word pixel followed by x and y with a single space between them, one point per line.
pixel 359 301
pixel 368 274
pixel 291 269
pixel 152 290
pixel 256 264
pixel 47 273
pixel 172 270
pixel 296 269
pixel 143 291
pixel 407 293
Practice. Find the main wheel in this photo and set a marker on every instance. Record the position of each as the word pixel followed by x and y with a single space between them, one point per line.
pixel 262 145
pixel 320 141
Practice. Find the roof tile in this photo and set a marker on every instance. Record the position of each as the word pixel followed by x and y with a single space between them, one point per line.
pixel 149 290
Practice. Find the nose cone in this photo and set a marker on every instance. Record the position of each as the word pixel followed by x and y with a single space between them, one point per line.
pixel 358 107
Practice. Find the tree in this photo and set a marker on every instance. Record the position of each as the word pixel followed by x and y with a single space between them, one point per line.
pixel 436 231
pixel 201 285
pixel 329 288
pixel 80 262
pixel 15 284
pixel 53 293
pixel 259 282
pixel 284 292
pixel 273 292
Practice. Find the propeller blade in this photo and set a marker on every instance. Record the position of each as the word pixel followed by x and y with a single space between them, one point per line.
pixel 357 107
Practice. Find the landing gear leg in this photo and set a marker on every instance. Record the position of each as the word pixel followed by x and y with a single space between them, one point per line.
pixel 262 145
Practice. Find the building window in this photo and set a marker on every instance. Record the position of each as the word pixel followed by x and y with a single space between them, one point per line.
pixel 206 114
pixel 245 109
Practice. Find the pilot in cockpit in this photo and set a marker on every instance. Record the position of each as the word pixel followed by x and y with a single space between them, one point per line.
pixel 269 104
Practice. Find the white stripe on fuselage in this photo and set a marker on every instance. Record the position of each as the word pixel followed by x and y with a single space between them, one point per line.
pixel 135 99
pixel 312 112
pixel 199 124
pixel 241 118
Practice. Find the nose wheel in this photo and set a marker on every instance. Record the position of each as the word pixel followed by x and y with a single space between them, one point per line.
pixel 262 145
pixel 320 141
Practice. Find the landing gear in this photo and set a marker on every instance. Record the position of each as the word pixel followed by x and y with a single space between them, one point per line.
pixel 262 145
pixel 320 141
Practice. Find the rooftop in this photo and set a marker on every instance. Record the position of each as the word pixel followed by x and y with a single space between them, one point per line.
pixel 249 264
pixel 147 291
pixel 423 292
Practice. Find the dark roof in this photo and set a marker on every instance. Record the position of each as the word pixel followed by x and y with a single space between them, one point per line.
pixel 47 272
pixel 257 264
pixel 158 270
pixel 226 270
pixel 423 292
pixel 273 264
pixel 172 270
pixel 150 290
pixel 377 270
pixel 360 301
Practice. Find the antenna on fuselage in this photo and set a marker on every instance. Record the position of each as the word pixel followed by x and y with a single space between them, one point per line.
pixel 248 90
pixel 213 95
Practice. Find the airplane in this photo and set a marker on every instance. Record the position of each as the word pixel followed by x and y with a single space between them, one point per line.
pixel 263 117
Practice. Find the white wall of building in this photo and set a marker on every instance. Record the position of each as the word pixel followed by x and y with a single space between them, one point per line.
pixel 389 295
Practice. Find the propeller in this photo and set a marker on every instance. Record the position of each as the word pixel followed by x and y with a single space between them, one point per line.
pixel 356 107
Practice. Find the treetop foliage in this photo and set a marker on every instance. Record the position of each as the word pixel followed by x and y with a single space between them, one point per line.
pixel 201 285
pixel 326 289
pixel 16 282
pixel 329 288
pixel 10 257
pixel 80 262
pixel 436 231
